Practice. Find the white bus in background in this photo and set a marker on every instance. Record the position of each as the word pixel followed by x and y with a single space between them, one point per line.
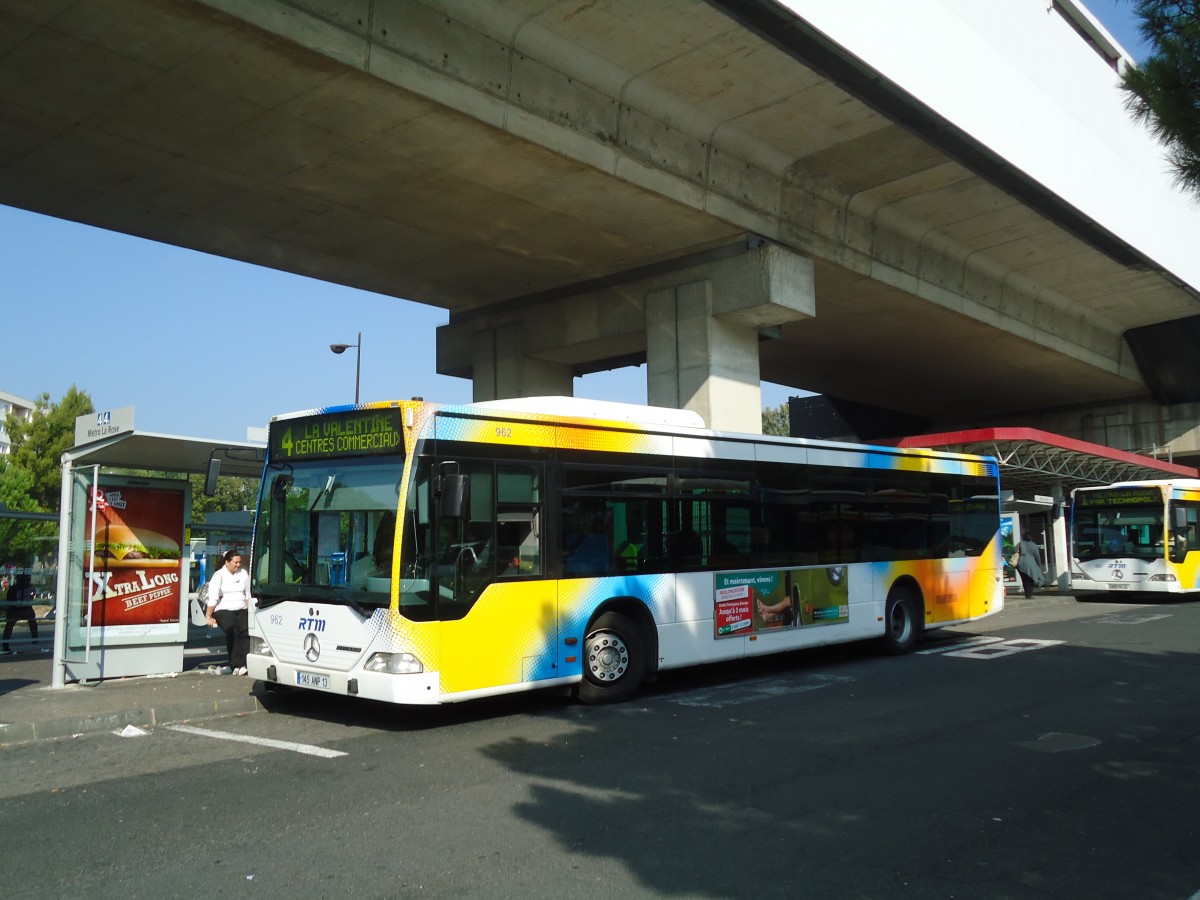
pixel 1135 537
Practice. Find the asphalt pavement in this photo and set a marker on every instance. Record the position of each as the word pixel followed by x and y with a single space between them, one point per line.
pixel 31 710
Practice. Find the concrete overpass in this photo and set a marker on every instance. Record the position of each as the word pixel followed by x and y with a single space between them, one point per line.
pixel 934 208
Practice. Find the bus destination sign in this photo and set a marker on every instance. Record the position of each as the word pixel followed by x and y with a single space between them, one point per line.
pixel 360 432
pixel 1119 497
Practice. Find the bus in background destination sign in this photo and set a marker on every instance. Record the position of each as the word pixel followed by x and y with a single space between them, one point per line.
pixel 361 432
pixel 1120 497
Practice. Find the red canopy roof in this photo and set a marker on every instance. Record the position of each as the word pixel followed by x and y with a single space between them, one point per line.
pixel 1034 460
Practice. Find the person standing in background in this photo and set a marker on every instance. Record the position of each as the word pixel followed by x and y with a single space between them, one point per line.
pixel 229 609
pixel 20 606
pixel 1029 565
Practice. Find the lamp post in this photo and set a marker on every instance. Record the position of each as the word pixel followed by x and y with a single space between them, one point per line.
pixel 342 348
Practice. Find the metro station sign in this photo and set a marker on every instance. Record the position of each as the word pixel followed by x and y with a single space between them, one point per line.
pixel 100 425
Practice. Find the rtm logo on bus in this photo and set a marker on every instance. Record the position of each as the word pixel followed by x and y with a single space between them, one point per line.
pixel 312 624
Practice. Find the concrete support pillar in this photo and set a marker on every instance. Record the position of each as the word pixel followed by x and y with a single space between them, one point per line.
pixel 702 335
pixel 698 325
pixel 1060 557
pixel 698 362
pixel 501 370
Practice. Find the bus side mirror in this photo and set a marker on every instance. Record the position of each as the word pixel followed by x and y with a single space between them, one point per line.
pixel 1177 552
pixel 1179 548
pixel 454 495
pixel 210 480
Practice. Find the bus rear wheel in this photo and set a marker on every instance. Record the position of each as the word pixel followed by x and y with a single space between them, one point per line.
pixel 902 622
pixel 614 662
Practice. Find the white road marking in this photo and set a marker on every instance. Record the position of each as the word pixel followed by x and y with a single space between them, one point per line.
pixel 734 694
pixel 310 749
pixel 1133 619
pixel 1057 742
pixel 1004 648
pixel 989 647
pixel 959 645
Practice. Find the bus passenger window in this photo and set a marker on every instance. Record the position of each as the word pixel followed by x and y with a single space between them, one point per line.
pixel 687 548
pixel 589 551
pixel 519 544
pixel 587 539
pixel 518 521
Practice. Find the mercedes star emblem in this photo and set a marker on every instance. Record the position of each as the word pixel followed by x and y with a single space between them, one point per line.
pixel 312 647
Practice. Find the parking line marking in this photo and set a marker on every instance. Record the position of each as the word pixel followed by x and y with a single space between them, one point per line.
pixel 1135 619
pixel 748 692
pixel 309 749
pixel 1004 648
pixel 959 645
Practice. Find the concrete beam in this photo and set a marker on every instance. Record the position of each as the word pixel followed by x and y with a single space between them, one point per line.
pixel 700 362
pixel 516 73
pixel 500 370
pixel 698 326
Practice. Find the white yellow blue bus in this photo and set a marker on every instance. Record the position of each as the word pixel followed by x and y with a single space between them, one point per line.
pixel 1136 537
pixel 419 554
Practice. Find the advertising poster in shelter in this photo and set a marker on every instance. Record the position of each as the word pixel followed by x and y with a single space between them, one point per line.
pixel 1009 538
pixel 135 563
pixel 763 601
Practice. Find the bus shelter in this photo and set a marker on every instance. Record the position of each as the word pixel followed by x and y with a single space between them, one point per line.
pixel 121 603
pixel 1038 471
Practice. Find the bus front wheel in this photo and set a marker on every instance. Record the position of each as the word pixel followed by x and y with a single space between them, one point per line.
pixel 614 663
pixel 902 622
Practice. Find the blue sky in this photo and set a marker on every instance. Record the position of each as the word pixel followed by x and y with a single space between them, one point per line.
pixel 221 345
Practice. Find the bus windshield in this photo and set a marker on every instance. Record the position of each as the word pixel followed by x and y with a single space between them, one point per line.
pixel 1119 532
pixel 325 531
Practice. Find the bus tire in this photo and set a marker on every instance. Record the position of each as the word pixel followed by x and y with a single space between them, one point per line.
pixel 902 621
pixel 614 661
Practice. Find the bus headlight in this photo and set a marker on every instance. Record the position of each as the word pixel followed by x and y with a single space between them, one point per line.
pixel 394 664
pixel 1080 576
pixel 1163 577
pixel 260 647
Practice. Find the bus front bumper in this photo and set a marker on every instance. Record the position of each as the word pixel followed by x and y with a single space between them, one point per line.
pixel 421 689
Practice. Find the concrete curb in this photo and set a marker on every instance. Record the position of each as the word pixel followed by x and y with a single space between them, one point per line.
pixel 1038 599
pixel 172 713
pixel 15 733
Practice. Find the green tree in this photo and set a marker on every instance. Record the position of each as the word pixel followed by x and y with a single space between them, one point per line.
pixel 1164 91
pixel 21 539
pixel 38 444
pixel 777 420
pixel 233 495
pixel 15 486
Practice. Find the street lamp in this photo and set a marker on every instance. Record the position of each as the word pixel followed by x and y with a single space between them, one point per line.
pixel 342 348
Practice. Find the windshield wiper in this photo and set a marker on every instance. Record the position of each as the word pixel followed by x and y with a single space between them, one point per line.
pixel 352 603
pixel 297 593
pixel 276 594
pixel 327 492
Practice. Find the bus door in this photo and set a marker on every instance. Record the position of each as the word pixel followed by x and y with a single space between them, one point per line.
pixel 498 613
pixel 1183 540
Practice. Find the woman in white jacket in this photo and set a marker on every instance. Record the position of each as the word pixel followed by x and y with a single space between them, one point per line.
pixel 229 609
